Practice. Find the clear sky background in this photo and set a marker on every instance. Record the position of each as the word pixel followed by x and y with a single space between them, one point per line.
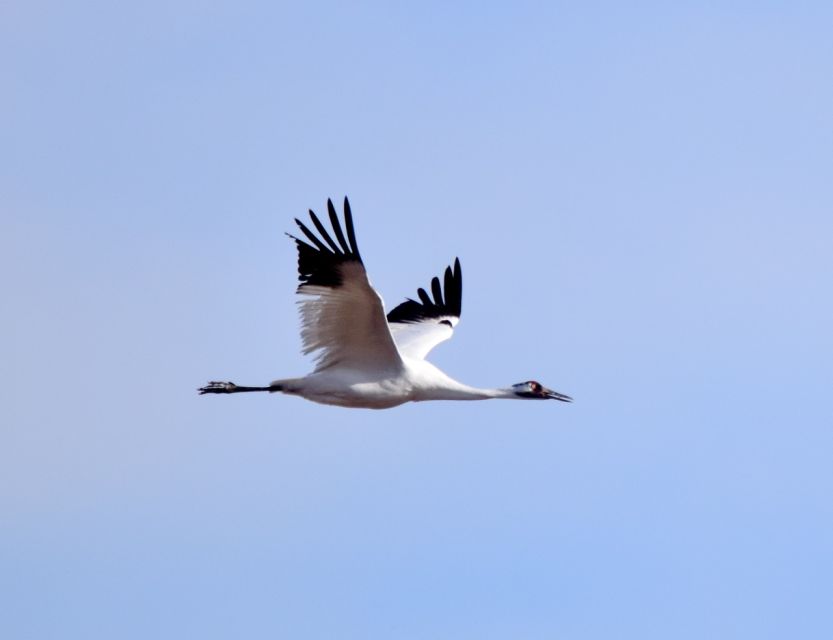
pixel 641 198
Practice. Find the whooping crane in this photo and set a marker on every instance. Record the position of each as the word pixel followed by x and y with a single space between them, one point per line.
pixel 363 358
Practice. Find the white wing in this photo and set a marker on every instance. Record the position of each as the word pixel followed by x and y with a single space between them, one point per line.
pixel 418 327
pixel 342 316
pixel 417 340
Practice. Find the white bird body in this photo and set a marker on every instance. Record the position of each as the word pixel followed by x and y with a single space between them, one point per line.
pixel 417 381
pixel 363 357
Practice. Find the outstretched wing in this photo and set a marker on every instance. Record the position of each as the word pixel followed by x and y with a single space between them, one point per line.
pixel 418 327
pixel 342 316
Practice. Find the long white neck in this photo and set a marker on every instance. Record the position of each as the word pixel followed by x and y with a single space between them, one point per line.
pixel 464 392
pixel 432 384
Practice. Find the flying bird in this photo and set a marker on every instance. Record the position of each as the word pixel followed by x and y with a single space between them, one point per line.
pixel 363 357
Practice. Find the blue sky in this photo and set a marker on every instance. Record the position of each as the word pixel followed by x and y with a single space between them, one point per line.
pixel 641 200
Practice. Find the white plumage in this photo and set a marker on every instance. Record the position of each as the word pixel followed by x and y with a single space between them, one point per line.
pixel 363 357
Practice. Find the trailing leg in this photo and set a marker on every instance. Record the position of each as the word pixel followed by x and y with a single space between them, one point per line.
pixel 230 387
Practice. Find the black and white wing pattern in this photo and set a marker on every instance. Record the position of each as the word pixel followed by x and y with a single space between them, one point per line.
pixel 418 327
pixel 342 316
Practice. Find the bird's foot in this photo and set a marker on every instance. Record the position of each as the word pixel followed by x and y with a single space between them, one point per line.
pixel 218 387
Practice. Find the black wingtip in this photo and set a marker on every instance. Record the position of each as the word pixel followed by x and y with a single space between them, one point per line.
pixel 319 263
pixel 447 299
pixel 348 223
pixel 337 227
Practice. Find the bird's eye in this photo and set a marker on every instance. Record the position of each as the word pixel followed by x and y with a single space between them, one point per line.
pixel 534 386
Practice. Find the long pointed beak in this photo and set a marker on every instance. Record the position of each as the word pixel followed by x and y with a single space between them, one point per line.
pixel 554 395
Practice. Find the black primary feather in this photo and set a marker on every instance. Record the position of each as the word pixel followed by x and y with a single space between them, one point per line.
pixel 444 303
pixel 319 263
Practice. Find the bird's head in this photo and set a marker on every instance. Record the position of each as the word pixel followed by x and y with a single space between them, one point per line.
pixel 536 391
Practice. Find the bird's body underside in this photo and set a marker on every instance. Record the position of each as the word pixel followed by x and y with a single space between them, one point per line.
pixel 417 381
pixel 365 359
